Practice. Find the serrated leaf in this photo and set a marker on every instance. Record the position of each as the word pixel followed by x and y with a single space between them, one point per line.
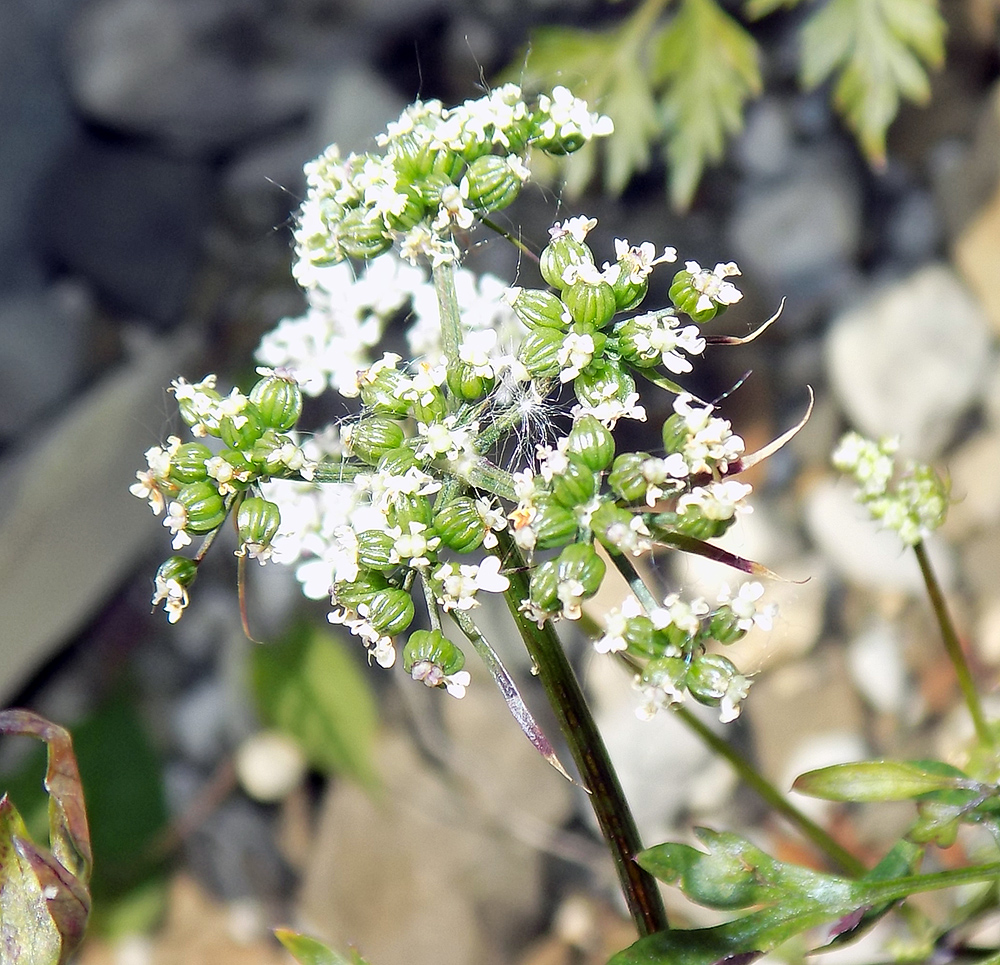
pixel 708 65
pixel 869 781
pixel 309 951
pixel 308 686
pixel 882 49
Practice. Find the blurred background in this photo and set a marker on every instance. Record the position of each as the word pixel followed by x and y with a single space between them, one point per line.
pixel 151 163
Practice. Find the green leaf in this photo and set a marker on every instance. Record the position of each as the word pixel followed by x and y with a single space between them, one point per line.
pixel 708 65
pixel 308 951
pixel 308 686
pixel 877 781
pixel 882 49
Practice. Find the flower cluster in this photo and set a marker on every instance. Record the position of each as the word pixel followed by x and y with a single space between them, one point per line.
pixel 914 506
pixel 404 513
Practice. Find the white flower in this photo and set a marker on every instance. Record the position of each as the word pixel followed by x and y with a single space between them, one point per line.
pixel 459 585
pixel 476 349
pixel 613 639
pixel 714 289
pixel 433 676
pixel 744 606
pixel 686 616
pixel 640 260
pixel 576 228
pixel 729 708
pixel 176 521
pixel 575 354
pixel 174 597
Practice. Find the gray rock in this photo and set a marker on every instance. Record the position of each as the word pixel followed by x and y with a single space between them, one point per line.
pixel 43 335
pixel 797 231
pixel 910 360
pixel 764 148
pixel 129 222
pixel 176 70
pixel 875 659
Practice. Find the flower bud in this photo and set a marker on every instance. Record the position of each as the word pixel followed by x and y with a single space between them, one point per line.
pixel 709 677
pixel 432 646
pixel 390 611
pixel 410 508
pixel 685 298
pixel 539 352
pixel 364 587
pixel 187 464
pixel 397 461
pixel 642 638
pixel 612 525
pixel 361 235
pixel 603 379
pixel 375 549
pixel 666 673
pixel 553 525
pixel 575 485
pixel 558 255
pixel 626 477
pixel 205 507
pixel 466 384
pixel 381 391
pixel 278 401
pixel 634 342
pixel 490 183
pixel 373 436
pixel 241 431
pixel 628 293
pixel 592 442
pixel 580 561
pixel 725 626
pixel 257 521
pixel 591 304
pixel 540 309
pixel 180 569
pixel 460 525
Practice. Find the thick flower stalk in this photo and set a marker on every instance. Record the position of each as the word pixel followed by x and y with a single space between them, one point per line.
pixel 400 514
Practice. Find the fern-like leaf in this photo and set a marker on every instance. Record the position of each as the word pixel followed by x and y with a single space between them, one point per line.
pixel 708 66
pixel 882 49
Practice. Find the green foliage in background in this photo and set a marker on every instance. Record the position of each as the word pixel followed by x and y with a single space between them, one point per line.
pixel 679 73
pixel 309 686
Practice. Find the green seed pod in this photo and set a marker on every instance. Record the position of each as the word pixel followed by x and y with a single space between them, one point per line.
pixel 205 507
pixel 580 561
pixel 466 385
pixel 432 646
pixel 558 255
pixel 691 523
pixel 382 393
pixel 709 677
pixel 676 433
pixel 490 183
pixel 459 525
pixel 612 525
pixel 188 413
pixel 539 352
pixel 543 589
pixel 180 569
pixel 724 626
pixel 187 464
pixel 243 430
pixel 642 638
pixel 574 486
pixel 634 344
pixel 390 611
pixel 430 188
pixel 257 520
pixel 409 508
pixel 397 461
pixel 540 309
pixel 361 235
pixel 352 595
pixel 373 436
pixel 628 294
pixel 605 378
pixel 429 407
pixel 278 401
pixel 685 298
pixel 375 550
pixel 554 525
pixel 626 477
pixel 238 460
pixel 592 442
pixel 412 212
pixel 264 447
pixel 414 160
pixel 591 305
pixel 668 673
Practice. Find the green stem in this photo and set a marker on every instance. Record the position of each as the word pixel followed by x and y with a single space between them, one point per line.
pixel 451 318
pixel 838 855
pixel 952 645
pixel 587 747
pixel 636 583
pixel 433 614
pixel 516 242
